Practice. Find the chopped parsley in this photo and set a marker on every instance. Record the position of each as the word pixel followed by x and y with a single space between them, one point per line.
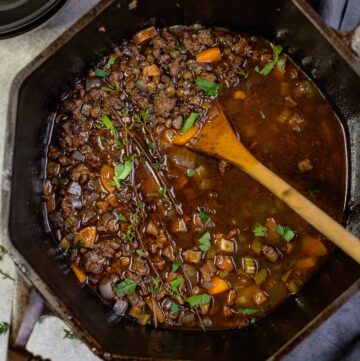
pixel 281 62
pixel 248 311
pixel 175 266
pixel 190 173
pixel 208 87
pixel 175 284
pixel 204 242
pixel 109 124
pixel 122 170
pixel 174 308
pixel 141 253
pixel 111 61
pixel 203 216
pixel 259 230
pixel 285 232
pixel 197 300
pixel 3 251
pixel 277 49
pixel 189 122
pixel 121 218
pixel 68 334
pixel 126 287
pixel 101 73
pixel 4 327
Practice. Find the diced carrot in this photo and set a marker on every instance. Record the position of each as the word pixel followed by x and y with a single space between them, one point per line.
pixel 218 285
pixel 270 225
pixel 87 237
pixel 181 182
pixel 149 185
pixel 183 138
pixel 151 70
pixel 107 174
pixel 211 55
pixel 144 35
pixel 312 246
pixel 306 263
pixel 239 94
pixel 80 274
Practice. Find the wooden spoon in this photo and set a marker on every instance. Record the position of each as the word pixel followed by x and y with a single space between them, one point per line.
pixel 217 138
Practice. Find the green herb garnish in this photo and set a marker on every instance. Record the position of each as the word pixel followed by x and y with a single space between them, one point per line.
pixel 174 308
pixel 3 251
pixel 4 327
pixel 156 286
pixel 203 216
pixel 281 62
pixel 121 218
pixel 277 49
pixel 123 170
pixel 285 232
pixel 111 61
pixel 204 241
pixel 259 230
pixel 175 284
pixel 208 87
pixel 141 253
pixel 162 191
pixel 190 173
pixel 175 265
pixel 197 300
pixel 109 124
pixel 68 334
pixel 126 287
pixel 130 233
pixel 101 73
pixel 189 122
pixel 143 117
pixel 248 311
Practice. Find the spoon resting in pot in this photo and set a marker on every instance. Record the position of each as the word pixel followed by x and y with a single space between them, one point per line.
pixel 217 138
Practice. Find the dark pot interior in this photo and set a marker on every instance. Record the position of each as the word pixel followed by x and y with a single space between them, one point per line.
pixel 38 90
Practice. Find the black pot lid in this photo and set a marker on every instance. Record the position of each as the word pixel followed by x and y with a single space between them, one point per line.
pixel 18 16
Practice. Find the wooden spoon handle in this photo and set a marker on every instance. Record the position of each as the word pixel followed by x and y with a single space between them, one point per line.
pixel 306 209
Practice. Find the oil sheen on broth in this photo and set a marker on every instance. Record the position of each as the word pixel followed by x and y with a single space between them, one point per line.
pixel 170 237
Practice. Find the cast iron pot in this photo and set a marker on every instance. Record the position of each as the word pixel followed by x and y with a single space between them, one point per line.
pixel 36 92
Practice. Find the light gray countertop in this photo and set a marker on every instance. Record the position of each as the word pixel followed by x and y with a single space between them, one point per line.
pixel 47 339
